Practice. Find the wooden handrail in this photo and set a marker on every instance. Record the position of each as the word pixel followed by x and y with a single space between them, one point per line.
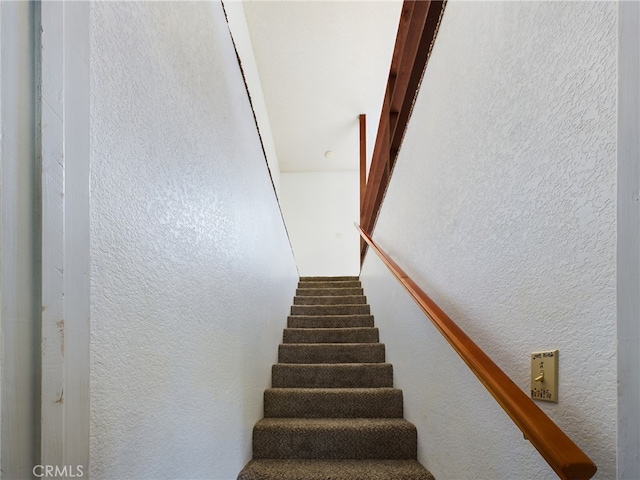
pixel 560 452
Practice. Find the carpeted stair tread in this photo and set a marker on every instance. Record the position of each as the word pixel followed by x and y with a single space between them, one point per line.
pixel 332 412
pixel 391 438
pixel 330 309
pixel 303 469
pixel 330 321
pixel 336 375
pixel 333 402
pixel 330 300
pixel 323 292
pixel 330 279
pixel 330 284
pixel 331 335
pixel 331 353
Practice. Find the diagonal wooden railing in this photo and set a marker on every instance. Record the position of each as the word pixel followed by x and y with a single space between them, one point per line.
pixel 561 453
pixel 417 29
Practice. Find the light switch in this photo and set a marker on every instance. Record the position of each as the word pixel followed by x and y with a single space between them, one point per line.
pixel 544 376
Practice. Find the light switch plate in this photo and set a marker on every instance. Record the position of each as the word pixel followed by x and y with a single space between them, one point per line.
pixel 544 376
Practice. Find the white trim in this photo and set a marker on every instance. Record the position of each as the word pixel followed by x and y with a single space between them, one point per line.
pixel 65 234
pixel 628 267
pixel 19 241
pixel 77 244
pixel 53 239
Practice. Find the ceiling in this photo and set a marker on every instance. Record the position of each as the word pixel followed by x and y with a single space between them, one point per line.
pixel 322 63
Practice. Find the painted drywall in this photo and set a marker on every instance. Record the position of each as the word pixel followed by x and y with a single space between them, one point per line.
pixel 628 282
pixel 242 41
pixel 502 207
pixel 192 273
pixel 19 242
pixel 321 64
pixel 319 209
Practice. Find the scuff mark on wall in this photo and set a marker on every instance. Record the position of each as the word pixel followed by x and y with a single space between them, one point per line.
pixel 60 324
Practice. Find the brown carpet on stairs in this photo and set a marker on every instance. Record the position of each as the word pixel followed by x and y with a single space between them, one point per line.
pixel 332 412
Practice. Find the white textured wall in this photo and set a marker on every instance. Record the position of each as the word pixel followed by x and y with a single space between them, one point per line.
pixel 192 274
pixel 502 207
pixel 320 209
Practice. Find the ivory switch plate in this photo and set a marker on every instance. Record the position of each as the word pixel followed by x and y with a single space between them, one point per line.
pixel 544 376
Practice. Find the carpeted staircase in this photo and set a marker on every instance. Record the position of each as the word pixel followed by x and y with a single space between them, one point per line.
pixel 332 412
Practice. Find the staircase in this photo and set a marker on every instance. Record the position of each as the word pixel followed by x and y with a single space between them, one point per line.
pixel 332 412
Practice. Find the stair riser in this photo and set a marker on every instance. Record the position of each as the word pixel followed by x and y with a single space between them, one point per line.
pixel 330 321
pixel 331 335
pixel 329 279
pixel 355 443
pixel 331 300
pixel 325 292
pixel 333 403
pixel 340 284
pixel 332 376
pixel 331 353
pixel 330 309
pixel 292 469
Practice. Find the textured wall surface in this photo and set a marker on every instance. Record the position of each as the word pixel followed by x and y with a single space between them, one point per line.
pixel 503 208
pixel 320 209
pixel 192 273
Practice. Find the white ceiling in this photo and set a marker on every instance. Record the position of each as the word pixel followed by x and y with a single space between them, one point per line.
pixel 322 63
